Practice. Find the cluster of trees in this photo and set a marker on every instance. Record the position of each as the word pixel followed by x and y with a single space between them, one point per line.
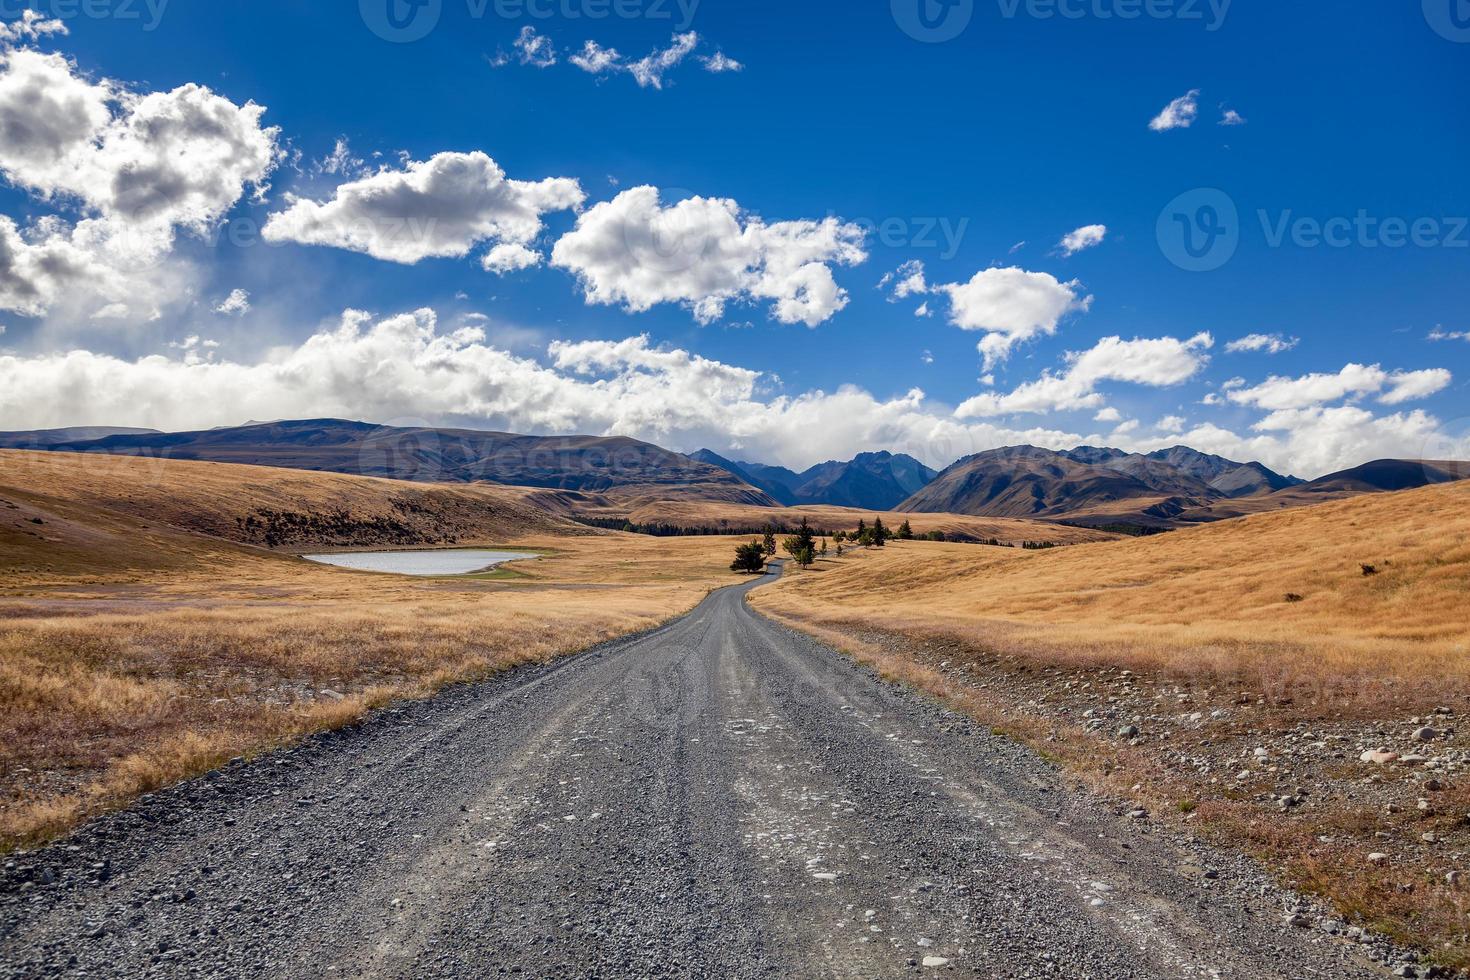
pixel 876 536
pixel 803 547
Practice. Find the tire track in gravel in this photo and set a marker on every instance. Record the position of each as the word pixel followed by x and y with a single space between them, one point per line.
pixel 721 797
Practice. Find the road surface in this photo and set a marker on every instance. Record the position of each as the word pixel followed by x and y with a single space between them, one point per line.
pixel 721 797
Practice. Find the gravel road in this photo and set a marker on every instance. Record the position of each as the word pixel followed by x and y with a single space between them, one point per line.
pixel 721 797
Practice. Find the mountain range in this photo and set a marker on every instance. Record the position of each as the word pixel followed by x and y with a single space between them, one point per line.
pixel 606 476
pixel 870 481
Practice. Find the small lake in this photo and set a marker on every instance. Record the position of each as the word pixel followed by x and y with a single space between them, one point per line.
pixel 453 562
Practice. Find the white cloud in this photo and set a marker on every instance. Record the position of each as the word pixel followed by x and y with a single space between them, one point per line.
pixel 510 257
pixel 1088 236
pixel 1278 394
pixel 596 60
pixel 649 71
pixel 1157 363
pixel 134 167
pixel 1408 386
pixel 1011 305
pixel 235 304
pixel 1440 333
pixel 341 162
pixel 1232 118
pixel 1171 424
pixel 31 26
pixel 439 208
pixel 1108 415
pixel 405 366
pixel 719 63
pixel 535 49
pixel 1271 343
pixel 1311 442
pixel 704 253
pixel 923 310
pixel 907 280
pixel 1179 114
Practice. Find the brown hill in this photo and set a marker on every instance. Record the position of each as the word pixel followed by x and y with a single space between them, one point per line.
pixel 249 504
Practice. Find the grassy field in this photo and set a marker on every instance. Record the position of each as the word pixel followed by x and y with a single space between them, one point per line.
pixel 1228 677
pixel 1280 598
pixel 137 649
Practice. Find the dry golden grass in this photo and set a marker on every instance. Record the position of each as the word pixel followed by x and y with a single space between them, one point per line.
pixel 1204 601
pixel 1026 641
pixel 705 513
pixel 134 654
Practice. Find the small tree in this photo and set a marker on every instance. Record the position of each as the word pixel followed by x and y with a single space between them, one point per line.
pixel 823 549
pixel 803 546
pixel 839 549
pixel 769 544
pixel 749 558
pixel 905 532
pixel 862 530
pixel 880 533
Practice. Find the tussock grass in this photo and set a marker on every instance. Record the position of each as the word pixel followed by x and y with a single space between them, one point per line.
pixel 135 651
pixel 1206 603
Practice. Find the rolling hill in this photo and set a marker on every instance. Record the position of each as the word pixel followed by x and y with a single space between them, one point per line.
pixel 591 463
pixel 1171 488
pixel 871 481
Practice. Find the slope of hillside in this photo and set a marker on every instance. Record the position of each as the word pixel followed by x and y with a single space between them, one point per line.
pixel 139 648
pixel 273 507
pixel 436 456
pixel 46 438
pixel 1168 600
pixel 1171 488
pixel 876 481
pixel 1293 684
pixel 1025 482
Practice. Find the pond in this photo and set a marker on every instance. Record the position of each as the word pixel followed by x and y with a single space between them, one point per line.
pixel 428 563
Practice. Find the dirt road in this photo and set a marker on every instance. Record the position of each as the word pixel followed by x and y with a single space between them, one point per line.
pixel 719 798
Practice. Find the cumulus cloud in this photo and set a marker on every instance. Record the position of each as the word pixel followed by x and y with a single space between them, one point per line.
pixel 1171 424
pixel 405 366
pixel 1088 236
pixel 1011 305
pixel 1157 363
pixel 235 304
pixel 510 257
pixel 132 168
pixel 1270 343
pixel 1108 415
pixel 442 207
pixel 704 253
pixel 1232 118
pixel 380 369
pixel 1179 114
pixel 1278 394
pixel 31 26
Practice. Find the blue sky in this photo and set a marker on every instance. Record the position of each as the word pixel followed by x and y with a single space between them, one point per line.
pixel 1022 128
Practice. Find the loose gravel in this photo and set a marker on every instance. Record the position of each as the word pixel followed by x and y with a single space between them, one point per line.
pixel 722 797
